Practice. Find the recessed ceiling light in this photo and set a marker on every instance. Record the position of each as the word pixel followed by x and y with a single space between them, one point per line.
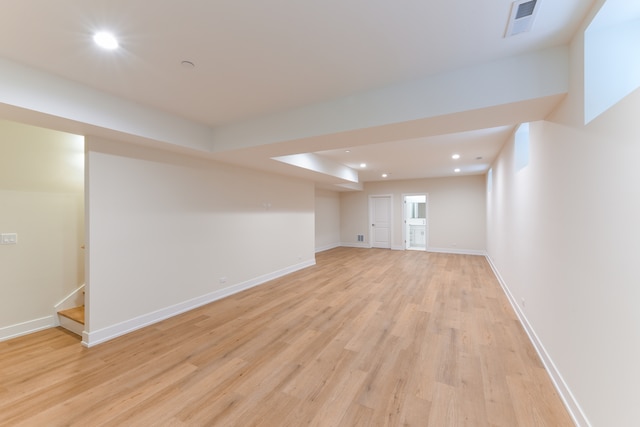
pixel 455 156
pixel 384 175
pixel 456 170
pixel 363 165
pixel 105 40
pixel 347 151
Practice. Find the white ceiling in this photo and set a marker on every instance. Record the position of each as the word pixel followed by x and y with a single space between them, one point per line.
pixel 427 157
pixel 255 58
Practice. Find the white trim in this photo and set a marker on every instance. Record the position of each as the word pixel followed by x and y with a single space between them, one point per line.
pixel 458 251
pixel 569 400
pixel 71 325
pixel 327 247
pixel 89 339
pixel 355 245
pixel 70 301
pixel 439 250
pixel 28 327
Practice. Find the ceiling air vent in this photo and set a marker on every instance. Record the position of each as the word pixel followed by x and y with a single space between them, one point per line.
pixel 523 13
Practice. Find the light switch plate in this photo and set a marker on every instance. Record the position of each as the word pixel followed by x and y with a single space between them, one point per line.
pixel 8 238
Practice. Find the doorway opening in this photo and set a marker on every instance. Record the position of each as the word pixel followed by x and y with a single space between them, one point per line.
pixel 415 228
pixel 42 203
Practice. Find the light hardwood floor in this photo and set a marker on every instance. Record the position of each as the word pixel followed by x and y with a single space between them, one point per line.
pixel 367 337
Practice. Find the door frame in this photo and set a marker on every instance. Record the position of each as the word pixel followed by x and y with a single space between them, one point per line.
pixel 404 220
pixel 391 220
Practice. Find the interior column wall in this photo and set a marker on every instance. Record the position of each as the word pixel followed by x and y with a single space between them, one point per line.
pixel 327 219
pixel 166 230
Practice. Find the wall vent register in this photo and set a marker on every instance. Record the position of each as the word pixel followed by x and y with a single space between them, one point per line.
pixel 522 15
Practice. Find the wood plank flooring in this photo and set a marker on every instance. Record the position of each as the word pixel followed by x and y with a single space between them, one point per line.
pixel 367 337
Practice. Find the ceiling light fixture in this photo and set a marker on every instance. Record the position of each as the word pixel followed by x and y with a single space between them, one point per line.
pixel 363 165
pixel 455 156
pixel 457 170
pixel 105 40
pixel 384 175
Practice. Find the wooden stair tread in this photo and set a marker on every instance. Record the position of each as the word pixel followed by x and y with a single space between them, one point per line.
pixel 75 313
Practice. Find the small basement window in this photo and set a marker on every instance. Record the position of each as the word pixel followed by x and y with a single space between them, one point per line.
pixel 611 56
pixel 522 146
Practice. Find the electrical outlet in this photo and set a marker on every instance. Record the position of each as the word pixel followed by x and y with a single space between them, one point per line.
pixel 223 280
pixel 8 238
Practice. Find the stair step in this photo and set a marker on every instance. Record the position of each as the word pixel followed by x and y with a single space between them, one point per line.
pixel 76 314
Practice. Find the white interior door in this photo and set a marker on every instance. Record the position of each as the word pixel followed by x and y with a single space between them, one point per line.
pixel 380 216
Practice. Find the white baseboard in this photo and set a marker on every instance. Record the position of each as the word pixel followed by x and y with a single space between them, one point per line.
pixel 367 246
pixel 24 328
pixel 328 247
pixel 430 249
pixel 356 245
pixel 458 251
pixel 92 338
pixel 570 402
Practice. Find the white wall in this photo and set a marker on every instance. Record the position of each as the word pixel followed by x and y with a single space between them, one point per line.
pixel 456 212
pixel 327 219
pixel 73 107
pixel 563 235
pixel 42 200
pixel 165 228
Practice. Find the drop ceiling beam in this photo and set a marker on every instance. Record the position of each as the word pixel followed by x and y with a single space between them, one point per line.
pixel 517 80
